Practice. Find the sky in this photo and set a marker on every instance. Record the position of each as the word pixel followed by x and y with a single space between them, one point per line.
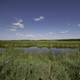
pixel 39 19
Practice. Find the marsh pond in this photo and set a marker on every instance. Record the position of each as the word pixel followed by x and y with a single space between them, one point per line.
pixel 45 50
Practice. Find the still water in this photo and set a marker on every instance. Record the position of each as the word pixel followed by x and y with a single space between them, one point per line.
pixel 49 50
pixel 45 50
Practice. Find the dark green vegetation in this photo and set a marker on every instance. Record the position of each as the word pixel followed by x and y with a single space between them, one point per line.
pixel 15 64
pixel 70 43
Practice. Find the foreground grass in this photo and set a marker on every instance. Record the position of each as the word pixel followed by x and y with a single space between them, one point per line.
pixel 41 43
pixel 18 65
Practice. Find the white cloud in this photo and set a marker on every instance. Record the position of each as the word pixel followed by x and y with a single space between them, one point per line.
pixel 20 20
pixel 39 18
pixel 40 35
pixel 12 29
pixel 19 24
pixel 30 35
pixel 50 33
pixel 25 35
pixel 63 32
pixel 78 25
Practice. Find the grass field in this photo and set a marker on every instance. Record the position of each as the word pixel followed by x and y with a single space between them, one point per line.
pixel 72 43
pixel 15 64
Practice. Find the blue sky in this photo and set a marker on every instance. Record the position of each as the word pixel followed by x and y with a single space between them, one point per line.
pixel 39 19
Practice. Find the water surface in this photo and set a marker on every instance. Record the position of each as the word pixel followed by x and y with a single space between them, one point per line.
pixel 45 50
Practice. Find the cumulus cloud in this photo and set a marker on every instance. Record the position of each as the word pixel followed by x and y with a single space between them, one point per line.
pixel 39 18
pixel 19 24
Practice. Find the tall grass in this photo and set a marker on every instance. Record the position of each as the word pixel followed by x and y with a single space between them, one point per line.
pixel 16 64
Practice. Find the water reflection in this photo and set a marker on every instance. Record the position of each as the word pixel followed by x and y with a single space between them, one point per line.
pixel 49 50
pixel 44 50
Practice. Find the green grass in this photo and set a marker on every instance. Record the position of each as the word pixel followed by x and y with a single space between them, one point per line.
pixel 16 64
pixel 73 43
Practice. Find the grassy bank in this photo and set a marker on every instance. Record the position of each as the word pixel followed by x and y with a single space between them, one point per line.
pixel 18 65
pixel 42 43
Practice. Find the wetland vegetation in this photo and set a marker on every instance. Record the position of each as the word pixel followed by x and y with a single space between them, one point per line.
pixel 69 43
pixel 18 64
